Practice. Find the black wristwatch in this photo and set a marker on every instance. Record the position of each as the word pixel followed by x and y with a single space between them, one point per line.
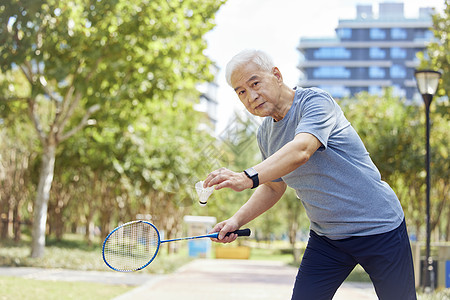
pixel 253 175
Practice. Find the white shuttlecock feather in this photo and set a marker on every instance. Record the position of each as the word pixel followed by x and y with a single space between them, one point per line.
pixel 203 193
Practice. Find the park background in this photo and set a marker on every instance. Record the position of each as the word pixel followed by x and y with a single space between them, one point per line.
pixel 98 124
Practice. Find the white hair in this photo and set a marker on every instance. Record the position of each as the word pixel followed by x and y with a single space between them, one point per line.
pixel 260 58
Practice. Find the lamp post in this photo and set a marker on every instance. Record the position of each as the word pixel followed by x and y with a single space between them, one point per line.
pixel 427 83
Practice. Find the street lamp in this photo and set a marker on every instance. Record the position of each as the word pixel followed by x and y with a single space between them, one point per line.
pixel 427 83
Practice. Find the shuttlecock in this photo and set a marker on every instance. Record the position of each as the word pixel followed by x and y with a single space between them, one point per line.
pixel 203 193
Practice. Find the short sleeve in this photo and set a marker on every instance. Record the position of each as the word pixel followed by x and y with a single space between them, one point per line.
pixel 318 117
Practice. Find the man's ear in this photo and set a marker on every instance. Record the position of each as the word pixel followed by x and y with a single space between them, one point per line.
pixel 276 72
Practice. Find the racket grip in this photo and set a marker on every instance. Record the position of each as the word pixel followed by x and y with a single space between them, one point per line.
pixel 241 232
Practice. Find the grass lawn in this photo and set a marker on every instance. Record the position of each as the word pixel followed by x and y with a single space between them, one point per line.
pixel 13 288
pixel 75 254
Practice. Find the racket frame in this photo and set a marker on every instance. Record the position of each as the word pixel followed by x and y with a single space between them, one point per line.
pixel 127 224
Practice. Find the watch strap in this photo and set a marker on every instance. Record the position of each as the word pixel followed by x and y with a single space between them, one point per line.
pixel 253 175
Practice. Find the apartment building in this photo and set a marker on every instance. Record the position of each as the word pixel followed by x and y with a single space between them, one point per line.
pixel 368 53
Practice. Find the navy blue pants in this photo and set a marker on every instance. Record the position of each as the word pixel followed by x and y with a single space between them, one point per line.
pixel 385 257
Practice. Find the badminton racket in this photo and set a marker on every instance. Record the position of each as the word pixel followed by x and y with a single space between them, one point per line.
pixel 134 245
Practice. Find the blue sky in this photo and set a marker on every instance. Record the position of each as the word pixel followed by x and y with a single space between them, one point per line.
pixel 276 27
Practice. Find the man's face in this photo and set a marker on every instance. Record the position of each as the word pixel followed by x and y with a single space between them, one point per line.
pixel 258 90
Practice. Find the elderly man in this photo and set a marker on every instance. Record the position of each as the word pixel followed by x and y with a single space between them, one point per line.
pixel 308 144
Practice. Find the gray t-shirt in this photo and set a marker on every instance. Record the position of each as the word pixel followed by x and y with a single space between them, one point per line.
pixel 340 187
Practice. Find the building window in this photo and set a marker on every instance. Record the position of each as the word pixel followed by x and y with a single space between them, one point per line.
pixel 377 34
pixel 399 34
pixel 397 52
pixel 377 53
pixel 423 35
pixel 398 71
pixel 377 72
pixel 333 52
pixel 344 33
pixel 337 91
pixel 331 72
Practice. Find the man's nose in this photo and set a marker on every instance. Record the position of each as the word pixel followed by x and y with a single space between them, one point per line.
pixel 253 95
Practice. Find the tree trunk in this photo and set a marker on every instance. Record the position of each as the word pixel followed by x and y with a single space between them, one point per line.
pixel 447 231
pixel 16 224
pixel 41 201
pixel 4 219
pixel 90 226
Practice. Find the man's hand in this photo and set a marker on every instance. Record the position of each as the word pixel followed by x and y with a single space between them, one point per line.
pixel 223 228
pixel 224 178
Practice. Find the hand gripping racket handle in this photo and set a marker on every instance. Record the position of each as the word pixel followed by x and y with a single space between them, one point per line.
pixel 241 232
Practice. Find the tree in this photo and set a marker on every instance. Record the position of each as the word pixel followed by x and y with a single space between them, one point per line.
pixel 16 160
pixel 17 156
pixel 392 132
pixel 77 55
pixel 436 56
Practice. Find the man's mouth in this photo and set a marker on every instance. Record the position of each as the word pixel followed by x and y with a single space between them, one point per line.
pixel 259 106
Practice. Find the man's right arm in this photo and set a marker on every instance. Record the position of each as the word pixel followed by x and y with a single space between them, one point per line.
pixel 264 197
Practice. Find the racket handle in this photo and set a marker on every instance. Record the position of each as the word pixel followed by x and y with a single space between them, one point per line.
pixel 241 232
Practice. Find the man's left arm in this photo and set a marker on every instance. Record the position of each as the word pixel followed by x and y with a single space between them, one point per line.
pixel 291 156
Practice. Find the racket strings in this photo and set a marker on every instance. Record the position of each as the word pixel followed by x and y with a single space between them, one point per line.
pixel 132 246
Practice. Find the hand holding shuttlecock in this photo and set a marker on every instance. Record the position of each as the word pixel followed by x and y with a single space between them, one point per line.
pixel 203 193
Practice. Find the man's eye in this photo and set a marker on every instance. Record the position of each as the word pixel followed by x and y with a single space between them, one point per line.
pixel 241 92
pixel 255 84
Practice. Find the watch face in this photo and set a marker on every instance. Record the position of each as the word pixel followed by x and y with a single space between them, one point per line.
pixel 251 172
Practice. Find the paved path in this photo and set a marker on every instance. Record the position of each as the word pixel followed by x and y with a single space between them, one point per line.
pixel 215 279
